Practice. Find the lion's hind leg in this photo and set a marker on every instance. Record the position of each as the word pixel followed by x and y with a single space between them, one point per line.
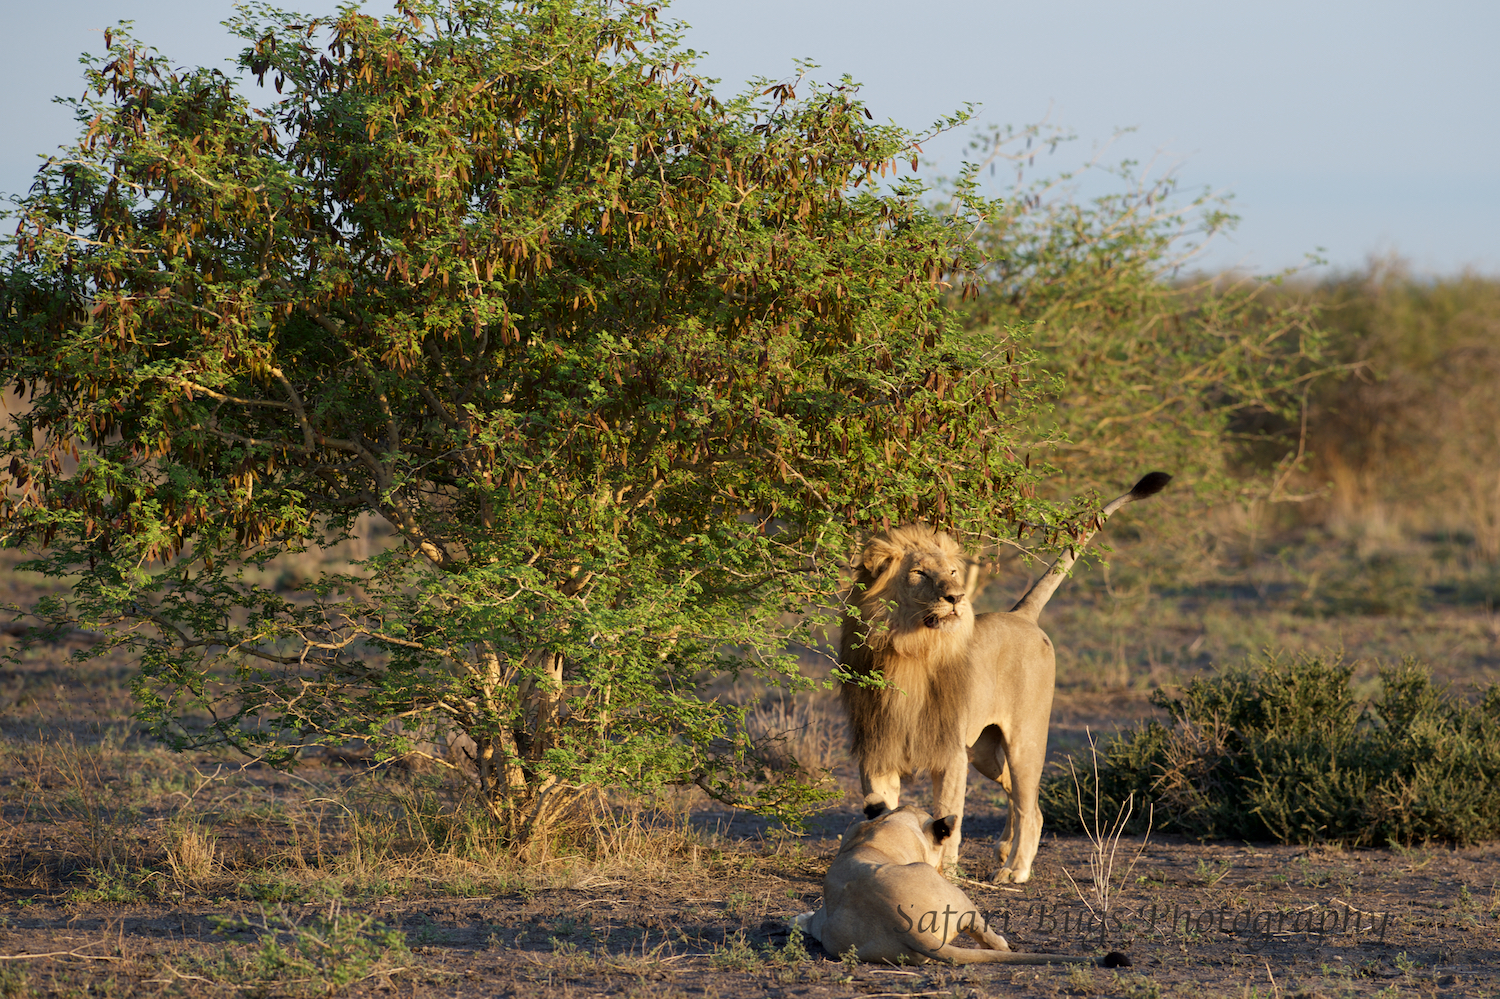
pixel 950 954
pixel 1010 801
pixel 988 756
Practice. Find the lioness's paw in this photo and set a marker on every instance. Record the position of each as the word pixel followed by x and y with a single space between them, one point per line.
pixel 1005 875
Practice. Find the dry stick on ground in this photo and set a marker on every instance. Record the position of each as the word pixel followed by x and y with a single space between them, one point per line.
pixel 61 953
pixel 177 976
pixel 1105 843
pixel 986 884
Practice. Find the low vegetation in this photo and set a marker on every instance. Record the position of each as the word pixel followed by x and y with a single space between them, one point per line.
pixel 1281 749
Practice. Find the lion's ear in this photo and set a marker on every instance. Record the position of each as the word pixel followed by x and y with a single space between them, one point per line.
pixel 943 828
pixel 878 554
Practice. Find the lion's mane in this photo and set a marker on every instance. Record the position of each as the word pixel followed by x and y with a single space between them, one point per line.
pixel 910 723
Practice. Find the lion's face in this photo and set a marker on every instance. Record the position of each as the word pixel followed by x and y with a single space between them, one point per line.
pixel 914 587
pixel 930 586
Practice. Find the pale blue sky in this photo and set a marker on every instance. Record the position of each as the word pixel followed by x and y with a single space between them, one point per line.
pixel 1359 127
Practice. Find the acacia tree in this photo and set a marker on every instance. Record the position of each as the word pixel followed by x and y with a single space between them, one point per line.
pixel 625 367
pixel 1206 375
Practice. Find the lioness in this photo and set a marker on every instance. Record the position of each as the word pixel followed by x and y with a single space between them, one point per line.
pixel 958 689
pixel 884 897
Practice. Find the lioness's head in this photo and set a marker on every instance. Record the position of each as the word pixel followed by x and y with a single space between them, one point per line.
pixel 910 588
pixel 907 834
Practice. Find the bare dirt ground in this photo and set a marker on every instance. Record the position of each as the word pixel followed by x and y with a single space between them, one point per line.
pixel 125 871
pixel 1196 919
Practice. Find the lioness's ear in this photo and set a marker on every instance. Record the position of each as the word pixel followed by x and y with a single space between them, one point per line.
pixel 876 808
pixel 943 828
pixel 877 555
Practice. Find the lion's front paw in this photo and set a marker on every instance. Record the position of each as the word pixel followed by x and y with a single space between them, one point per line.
pixel 1007 876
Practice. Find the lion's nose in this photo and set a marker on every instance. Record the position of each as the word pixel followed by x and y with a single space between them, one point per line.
pixel 954 598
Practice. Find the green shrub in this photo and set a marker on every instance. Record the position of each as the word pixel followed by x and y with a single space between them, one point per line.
pixel 1280 749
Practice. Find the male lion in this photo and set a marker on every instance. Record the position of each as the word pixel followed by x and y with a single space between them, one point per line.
pixel 884 897
pixel 958 689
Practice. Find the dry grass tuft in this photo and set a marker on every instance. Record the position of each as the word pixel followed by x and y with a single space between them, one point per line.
pixel 193 855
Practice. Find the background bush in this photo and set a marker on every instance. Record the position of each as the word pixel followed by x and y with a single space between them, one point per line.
pixel 1281 749
pixel 1405 440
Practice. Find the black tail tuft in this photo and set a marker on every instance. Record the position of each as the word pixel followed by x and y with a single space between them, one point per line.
pixel 1114 959
pixel 1150 484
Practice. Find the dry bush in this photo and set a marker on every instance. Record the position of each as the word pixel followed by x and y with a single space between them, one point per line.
pixel 427 830
pixel 1191 778
pixel 808 730
pixel 1406 441
pixel 1105 882
pixel 82 793
pixel 104 823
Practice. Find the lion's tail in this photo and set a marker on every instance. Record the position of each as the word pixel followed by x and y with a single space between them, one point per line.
pixel 1030 606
